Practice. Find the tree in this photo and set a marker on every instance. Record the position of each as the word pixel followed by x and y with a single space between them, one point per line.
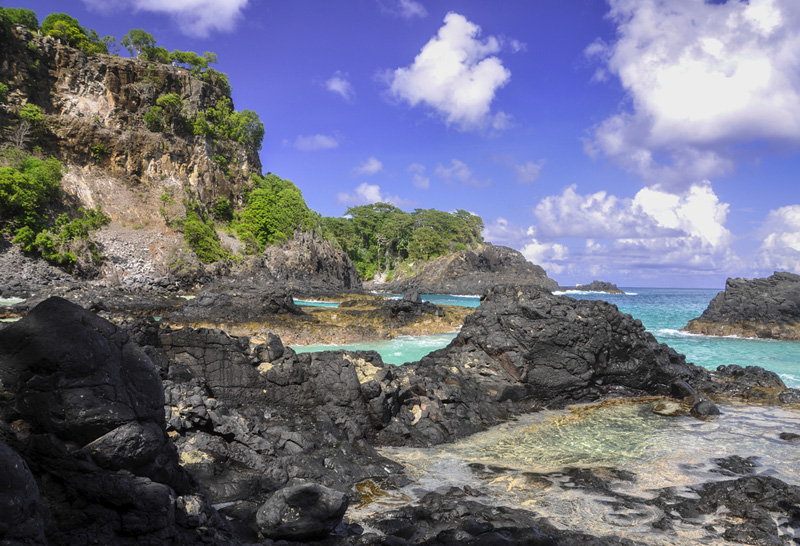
pixel 137 41
pixel 171 108
pixel 54 18
pixel 70 35
pixel 20 16
pixel 156 54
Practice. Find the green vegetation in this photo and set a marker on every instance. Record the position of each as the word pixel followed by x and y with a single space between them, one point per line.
pixel 99 151
pixel 380 237
pixel 68 30
pixel 274 210
pixel 201 237
pixel 3 93
pixel 20 16
pixel 29 188
pixel 138 41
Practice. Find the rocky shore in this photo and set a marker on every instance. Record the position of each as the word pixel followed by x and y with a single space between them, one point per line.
pixel 143 432
pixel 764 308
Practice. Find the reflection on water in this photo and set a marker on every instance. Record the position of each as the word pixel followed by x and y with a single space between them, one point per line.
pixel 569 466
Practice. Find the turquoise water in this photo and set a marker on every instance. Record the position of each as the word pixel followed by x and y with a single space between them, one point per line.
pixel 397 351
pixel 315 303
pixel 664 311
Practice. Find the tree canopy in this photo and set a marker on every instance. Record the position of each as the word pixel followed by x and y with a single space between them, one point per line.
pixel 380 237
pixel 20 16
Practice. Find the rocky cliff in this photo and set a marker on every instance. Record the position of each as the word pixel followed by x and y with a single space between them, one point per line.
pixel 767 308
pixel 472 272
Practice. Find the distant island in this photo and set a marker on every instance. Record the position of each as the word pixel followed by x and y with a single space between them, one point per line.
pixel 594 286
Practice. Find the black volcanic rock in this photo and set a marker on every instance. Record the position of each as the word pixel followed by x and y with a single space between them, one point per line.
pixel 83 407
pixel 227 301
pixel 521 350
pixel 301 512
pixel 473 272
pixel 767 308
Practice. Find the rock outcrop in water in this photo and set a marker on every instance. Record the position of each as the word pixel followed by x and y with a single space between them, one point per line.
pixel 473 272
pixel 595 286
pixel 766 308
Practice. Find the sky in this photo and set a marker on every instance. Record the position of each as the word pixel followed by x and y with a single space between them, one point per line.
pixel 642 142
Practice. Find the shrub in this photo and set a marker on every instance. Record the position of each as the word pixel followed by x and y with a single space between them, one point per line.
pixel 223 210
pixel 31 113
pixel 202 238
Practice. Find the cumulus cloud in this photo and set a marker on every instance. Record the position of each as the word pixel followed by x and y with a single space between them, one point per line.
pixel 654 229
pixel 553 257
pixel 501 232
pixel 365 194
pixel 459 173
pixel 700 77
pixel 194 17
pixel 315 142
pixel 420 181
pixel 339 84
pixel 457 74
pixel 780 246
pixel 406 9
pixel 369 167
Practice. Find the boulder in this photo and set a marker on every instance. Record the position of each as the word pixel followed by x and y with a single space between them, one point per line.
pixel 83 406
pixel 21 509
pixel 301 512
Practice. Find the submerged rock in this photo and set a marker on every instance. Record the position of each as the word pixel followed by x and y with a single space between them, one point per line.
pixel 767 308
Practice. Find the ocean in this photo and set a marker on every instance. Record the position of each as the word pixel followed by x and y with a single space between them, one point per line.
pixel 663 311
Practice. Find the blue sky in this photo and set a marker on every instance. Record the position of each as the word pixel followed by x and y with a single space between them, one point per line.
pixel 644 142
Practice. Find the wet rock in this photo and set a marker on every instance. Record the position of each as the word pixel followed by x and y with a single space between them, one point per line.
pixel 767 308
pixel 736 465
pixel 301 512
pixel 705 409
pixel 789 437
pixel 232 302
pixel 668 408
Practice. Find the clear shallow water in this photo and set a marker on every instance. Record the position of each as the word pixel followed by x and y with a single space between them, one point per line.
pixel 397 351
pixel 664 311
pixel 314 303
pixel 10 301
pixel 525 463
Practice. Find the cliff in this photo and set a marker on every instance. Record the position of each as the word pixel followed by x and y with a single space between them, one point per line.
pixel 472 272
pixel 766 308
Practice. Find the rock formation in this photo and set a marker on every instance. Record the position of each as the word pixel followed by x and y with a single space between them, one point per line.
pixel 472 272
pixel 82 405
pixel 766 308
pixel 595 286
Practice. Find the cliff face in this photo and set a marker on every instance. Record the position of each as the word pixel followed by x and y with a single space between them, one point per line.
pixel 101 101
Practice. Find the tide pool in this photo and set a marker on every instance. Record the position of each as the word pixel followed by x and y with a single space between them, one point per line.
pixel 396 351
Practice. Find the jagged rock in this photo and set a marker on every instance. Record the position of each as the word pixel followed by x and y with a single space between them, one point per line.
pixel 309 265
pixel 301 512
pixel 473 272
pixel 83 406
pixel 766 308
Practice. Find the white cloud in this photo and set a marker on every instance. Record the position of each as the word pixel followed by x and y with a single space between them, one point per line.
pixel 701 77
pixel 420 180
pixel 369 167
pixel 407 9
pixel 459 172
pixel 553 257
pixel 528 172
pixel 365 194
pixel 339 84
pixel 501 232
pixel 194 17
pixel 315 142
pixel 780 247
pixel 457 74
pixel 654 229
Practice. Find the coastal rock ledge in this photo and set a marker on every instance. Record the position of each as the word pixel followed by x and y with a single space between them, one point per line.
pixel 764 308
